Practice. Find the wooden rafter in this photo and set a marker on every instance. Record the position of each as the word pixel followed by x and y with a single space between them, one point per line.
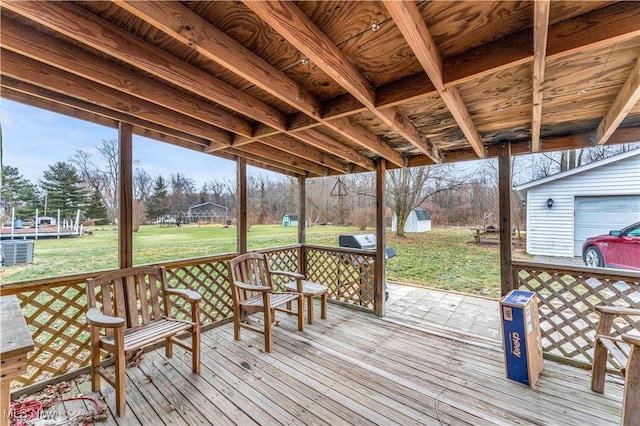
pixel 540 26
pixel 283 157
pixel 187 27
pixel 294 26
pixel 46 76
pixel 67 57
pixel 626 99
pixel 91 112
pixel 287 144
pixel 79 24
pixel 407 17
pixel 322 141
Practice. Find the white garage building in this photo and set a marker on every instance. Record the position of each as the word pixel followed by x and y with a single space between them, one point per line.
pixel 565 209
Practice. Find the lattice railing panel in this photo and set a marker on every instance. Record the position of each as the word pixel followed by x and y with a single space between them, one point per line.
pixel 568 297
pixel 350 277
pixel 56 321
pixel 285 259
pixel 210 280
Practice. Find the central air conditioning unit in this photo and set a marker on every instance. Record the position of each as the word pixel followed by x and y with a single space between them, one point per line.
pixel 16 252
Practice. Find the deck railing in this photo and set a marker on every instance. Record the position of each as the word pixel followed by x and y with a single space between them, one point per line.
pixel 54 308
pixel 567 297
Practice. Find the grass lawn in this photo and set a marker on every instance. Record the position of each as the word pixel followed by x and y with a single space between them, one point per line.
pixel 443 258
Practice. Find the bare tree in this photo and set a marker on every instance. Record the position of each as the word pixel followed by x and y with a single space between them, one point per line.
pixel 408 188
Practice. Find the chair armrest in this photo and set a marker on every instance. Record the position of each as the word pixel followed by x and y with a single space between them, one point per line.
pixel 95 318
pixel 293 275
pixel 190 295
pixel 260 288
pixel 631 339
pixel 617 310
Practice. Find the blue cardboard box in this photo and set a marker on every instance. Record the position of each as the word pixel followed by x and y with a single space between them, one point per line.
pixel 521 336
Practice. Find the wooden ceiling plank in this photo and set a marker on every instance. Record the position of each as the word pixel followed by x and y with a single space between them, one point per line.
pixel 626 99
pixel 65 56
pixel 408 18
pixel 43 75
pixel 184 25
pixel 79 24
pixel 541 10
pixel 37 92
pixel 293 25
pixel 288 144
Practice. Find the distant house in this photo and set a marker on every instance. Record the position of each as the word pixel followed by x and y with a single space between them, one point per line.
pixel 419 220
pixel 565 209
pixel 290 219
pixel 46 220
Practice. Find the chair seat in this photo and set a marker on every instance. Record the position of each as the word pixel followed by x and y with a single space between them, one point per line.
pixel 276 299
pixel 148 334
pixel 308 288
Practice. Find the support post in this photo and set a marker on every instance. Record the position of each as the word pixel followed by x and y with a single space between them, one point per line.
pixel 302 224
pixel 242 204
pixel 504 203
pixel 125 187
pixel 381 239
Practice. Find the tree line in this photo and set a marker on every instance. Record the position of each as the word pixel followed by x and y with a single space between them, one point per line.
pixel 454 194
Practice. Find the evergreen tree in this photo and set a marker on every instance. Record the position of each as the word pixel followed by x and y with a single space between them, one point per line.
pixel 19 192
pixel 64 190
pixel 96 208
pixel 159 203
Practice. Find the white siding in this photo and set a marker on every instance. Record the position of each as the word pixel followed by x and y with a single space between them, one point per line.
pixel 550 231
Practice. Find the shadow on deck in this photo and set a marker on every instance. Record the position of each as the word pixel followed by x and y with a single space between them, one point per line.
pixel 352 368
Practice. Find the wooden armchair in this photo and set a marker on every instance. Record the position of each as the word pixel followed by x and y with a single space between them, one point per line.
pixel 129 309
pixel 625 350
pixel 253 291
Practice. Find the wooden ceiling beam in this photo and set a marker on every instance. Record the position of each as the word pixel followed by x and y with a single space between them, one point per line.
pixel 540 30
pixel 295 27
pixel 39 74
pixel 187 27
pixel 347 128
pixel 601 27
pixel 287 144
pixel 69 58
pixel 408 18
pixel 84 27
pixel 627 98
pixel 283 157
pixel 91 112
pixel 259 157
pixel 324 142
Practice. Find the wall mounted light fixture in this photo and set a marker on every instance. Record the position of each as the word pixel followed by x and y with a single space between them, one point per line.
pixel 550 203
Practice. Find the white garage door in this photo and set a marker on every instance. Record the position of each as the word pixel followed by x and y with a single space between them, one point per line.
pixel 599 215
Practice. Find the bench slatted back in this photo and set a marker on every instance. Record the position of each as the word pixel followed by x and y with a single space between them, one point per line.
pixel 251 269
pixel 135 294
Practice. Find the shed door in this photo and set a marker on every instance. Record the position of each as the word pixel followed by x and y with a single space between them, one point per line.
pixel 599 215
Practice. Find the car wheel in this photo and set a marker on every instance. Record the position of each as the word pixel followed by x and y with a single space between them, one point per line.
pixel 593 257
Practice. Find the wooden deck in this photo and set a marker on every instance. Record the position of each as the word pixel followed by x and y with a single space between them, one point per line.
pixel 352 368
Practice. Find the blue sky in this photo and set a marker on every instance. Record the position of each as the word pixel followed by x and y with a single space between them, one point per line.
pixel 33 138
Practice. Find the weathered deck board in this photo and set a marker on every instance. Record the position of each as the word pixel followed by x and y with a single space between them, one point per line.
pixel 354 368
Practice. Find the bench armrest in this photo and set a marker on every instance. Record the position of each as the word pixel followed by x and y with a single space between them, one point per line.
pixel 96 318
pixel 294 275
pixel 248 287
pixel 190 295
pixel 631 339
pixel 617 310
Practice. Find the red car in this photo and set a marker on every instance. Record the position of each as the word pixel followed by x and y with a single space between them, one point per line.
pixel 619 249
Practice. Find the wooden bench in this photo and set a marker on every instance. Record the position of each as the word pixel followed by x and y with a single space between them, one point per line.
pixel 625 350
pixel 130 309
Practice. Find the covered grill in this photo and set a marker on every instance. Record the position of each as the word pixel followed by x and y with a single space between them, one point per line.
pixel 365 242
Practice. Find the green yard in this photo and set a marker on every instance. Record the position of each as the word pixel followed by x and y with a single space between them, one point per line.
pixel 444 258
